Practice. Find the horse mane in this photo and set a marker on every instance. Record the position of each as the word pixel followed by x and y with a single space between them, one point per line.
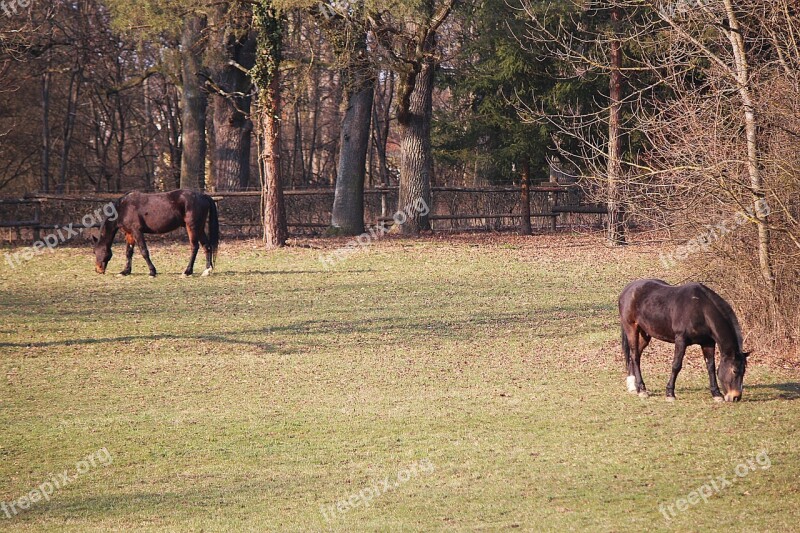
pixel 108 226
pixel 727 311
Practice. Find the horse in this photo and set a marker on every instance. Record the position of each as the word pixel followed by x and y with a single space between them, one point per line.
pixel 683 315
pixel 138 213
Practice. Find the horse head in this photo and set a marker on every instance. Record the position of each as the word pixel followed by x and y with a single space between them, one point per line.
pixel 731 374
pixel 102 254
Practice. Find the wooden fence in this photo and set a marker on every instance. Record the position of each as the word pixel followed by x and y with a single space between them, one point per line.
pixel 308 210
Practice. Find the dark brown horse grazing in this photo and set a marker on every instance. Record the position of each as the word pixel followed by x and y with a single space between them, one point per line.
pixel 684 315
pixel 139 213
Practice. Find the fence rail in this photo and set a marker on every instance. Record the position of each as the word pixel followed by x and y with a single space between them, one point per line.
pixel 454 208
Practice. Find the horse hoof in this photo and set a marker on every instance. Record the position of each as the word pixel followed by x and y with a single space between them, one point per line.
pixel 644 394
pixel 670 398
pixel 207 272
pixel 631 383
pixel 185 275
pixel 719 399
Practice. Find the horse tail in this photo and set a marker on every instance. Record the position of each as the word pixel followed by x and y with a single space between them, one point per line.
pixel 626 348
pixel 213 229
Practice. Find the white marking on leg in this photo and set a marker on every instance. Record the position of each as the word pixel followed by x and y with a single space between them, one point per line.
pixel 631 382
pixel 207 271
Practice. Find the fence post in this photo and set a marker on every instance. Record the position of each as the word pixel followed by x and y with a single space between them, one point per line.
pixel 552 198
pixel 525 197
pixel 37 213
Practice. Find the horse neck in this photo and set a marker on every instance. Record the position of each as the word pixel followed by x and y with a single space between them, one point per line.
pixel 107 232
pixel 726 336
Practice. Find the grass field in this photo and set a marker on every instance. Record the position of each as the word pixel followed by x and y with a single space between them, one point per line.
pixel 461 384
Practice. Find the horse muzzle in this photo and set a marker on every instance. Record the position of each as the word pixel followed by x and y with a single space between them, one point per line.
pixel 100 269
pixel 733 396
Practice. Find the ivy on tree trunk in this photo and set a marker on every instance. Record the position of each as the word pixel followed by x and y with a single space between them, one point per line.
pixel 268 27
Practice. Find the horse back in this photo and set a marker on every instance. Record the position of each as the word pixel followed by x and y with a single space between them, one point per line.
pixel 154 212
pixel 692 311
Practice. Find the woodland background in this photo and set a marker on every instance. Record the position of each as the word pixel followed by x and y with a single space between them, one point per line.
pixel 678 116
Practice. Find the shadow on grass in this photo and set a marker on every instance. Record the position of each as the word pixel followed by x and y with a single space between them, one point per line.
pixel 763 392
pixel 305 333
pixel 225 338
pixel 286 272
pixel 99 508
pixel 775 391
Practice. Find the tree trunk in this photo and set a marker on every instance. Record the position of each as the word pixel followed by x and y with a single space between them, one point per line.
pixel 232 134
pixel 69 127
pixel 150 159
pixel 268 26
pixel 381 127
pixel 616 224
pixel 232 127
pixel 121 134
pixel 46 132
pixel 194 104
pixel 760 209
pixel 525 199
pixel 174 138
pixel 416 159
pixel 275 230
pixel 347 217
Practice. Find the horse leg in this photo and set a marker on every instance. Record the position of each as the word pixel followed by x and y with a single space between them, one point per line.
pixel 644 341
pixel 195 247
pixel 631 336
pixel 636 360
pixel 144 251
pixel 635 381
pixel 207 247
pixel 677 364
pixel 708 354
pixel 130 243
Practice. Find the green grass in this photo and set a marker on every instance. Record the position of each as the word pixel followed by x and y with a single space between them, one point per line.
pixel 250 399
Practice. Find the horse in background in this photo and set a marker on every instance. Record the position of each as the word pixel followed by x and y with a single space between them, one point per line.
pixel 683 315
pixel 140 213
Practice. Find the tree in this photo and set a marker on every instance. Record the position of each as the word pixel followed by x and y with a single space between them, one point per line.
pixel 194 103
pixel 348 33
pixel 232 55
pixel 267 24
pixel 615 232
pixel 481 129
pixel 703 34
pixel 591 43
pixel 409 42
